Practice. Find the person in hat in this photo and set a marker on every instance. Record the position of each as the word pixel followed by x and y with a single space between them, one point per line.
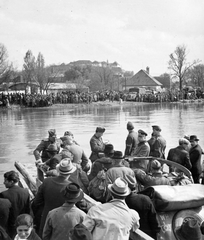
pixel 25 228
pixel 142 150
pixel 145 208
pixel 18 197
pixel 114 219
pixel 131 140
pixel 96 143
pixel 155 177
pixel 79 157
pixel 40 153
pixel 180 155
pixel 48 196
pixel 190 229
pixel 61 220
pixel 105 162
pixel 157 143
pixel 195 153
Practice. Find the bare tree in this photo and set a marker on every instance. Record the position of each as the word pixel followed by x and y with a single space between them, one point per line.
pixel 40 71
pixel 179 65
pixel 197 75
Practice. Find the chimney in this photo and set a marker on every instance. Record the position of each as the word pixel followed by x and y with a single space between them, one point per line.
pixel 147 70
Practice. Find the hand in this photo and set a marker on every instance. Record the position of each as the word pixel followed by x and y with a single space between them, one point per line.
pixel 38 162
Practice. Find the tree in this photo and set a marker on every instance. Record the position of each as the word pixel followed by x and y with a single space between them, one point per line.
pixel 40 71
pixel 197 75
pixel 179 65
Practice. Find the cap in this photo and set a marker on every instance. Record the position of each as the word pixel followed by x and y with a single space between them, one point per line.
pixel 156 127
pixel 142 132
pixel 100 129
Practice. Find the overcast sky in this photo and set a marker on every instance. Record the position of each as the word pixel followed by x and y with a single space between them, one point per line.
pixel 135 33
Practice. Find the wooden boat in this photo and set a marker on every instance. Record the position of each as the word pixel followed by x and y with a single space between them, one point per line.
pixel 27 181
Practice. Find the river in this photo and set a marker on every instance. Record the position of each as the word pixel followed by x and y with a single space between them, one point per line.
pixel 23 128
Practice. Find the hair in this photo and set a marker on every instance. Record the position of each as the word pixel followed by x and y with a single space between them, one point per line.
pixel 12 176
pixel 24 219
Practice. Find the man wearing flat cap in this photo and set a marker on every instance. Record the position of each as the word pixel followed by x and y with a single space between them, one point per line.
pixel 131 140
pixel 96 143
pixel 157 143
pixel 195 153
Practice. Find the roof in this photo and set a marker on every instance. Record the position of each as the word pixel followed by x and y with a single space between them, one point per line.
pixel 142 78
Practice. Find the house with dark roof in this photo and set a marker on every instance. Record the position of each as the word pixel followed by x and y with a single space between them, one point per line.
pixel 142 79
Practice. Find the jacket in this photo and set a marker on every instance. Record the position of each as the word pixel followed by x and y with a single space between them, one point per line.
pixel 97 146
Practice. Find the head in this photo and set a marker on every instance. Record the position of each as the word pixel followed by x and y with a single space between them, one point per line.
pixel 156 130
pixel 100 131
pixel 193 140
pixel 65 167
pixel 24 225
pixel 52 135
pixel 109 150
pixel 156 166
pixel 142 135
pixel 130 126
pixel 184 143
pixel 11 178
pixel 117 157
pixel 190 229
pixel 119 189
pixel 52 149
pixel 72 193
pixel 67 140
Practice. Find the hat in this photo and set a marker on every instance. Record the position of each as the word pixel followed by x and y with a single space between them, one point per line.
pixel 189 229
pixel 72 193
pixel 130 126
pixel 118 155
pixel 142 132
pixel 187 137
pixel 52 148
pixel 108 149
pixel 183 141
pixel 100 129
pixel 193 138
pixel 156 165
pixel 119 187
pixel 79 232
pixel 65 166
pixel 66 137
pixel 131 181
pixel 52 133
pixel 65 153
pixel 68 133
pixel 157 128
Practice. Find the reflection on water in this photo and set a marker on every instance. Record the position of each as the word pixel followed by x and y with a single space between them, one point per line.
pixel 23 129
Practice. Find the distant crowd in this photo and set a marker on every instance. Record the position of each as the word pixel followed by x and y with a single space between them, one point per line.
pixel 43 100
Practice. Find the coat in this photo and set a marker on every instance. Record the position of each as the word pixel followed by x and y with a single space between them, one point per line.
pixel 5 209
pixel 131 142
pixel 97 146
pixel 195 158
pixel 157 146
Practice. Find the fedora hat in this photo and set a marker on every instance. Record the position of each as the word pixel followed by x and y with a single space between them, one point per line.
pixel 190 229
pixel 72 193
pixel 117 155
pixel 108 149
pixel 52 148
pixel 65 167
pixel 193 138
pixel 119 187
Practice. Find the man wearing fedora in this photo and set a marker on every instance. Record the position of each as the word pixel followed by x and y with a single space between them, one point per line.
pixel 113 220
pixel 145 208
pixel 61 220
pixel 96 143
pixel 195 153
pixel 131 140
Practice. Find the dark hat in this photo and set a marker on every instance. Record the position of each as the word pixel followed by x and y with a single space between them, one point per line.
pixel 66 166
pixel 142 132
pixel 68 133
pixel 156 165
pixel 131 181
pixel 100 129
pixel 130 126
pixel 72 193
pixel 52 133
pixel 119 187
pixel 118 155
pixel 108 149
pixel 79 232
pixel 157 128
pixel 193 138
pixel 190 229
pixel 52 148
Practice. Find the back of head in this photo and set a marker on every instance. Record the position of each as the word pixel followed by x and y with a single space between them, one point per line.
pixel 12 176
pixel 183 141
pixel 24 219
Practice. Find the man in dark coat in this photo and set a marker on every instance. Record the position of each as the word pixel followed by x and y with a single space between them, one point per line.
pixel 97 144
pixel 5 211
pixel 145 208
pixel 180 154
pixel 19 198
pixel 131 140
pixel 195 158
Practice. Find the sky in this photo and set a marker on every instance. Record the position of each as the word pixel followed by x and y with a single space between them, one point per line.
pixel 134 33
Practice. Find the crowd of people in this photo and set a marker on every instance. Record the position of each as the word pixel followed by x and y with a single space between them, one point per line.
pixel 111 177
pixel 67 97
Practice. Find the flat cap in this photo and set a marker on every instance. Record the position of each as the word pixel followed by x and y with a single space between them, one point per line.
pixel 142 132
